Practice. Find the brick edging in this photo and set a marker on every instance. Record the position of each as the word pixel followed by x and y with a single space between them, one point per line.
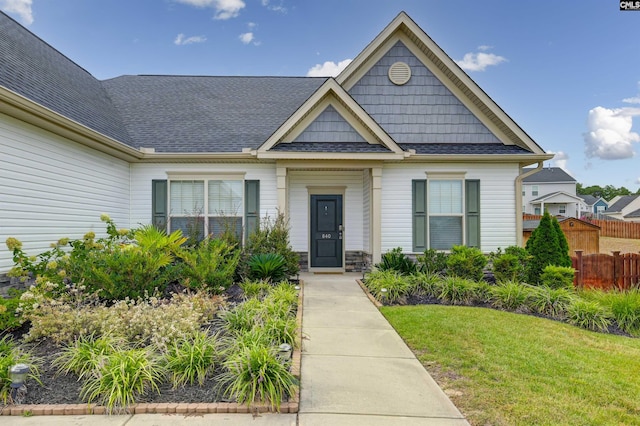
pixel 173 408
pixel 369 295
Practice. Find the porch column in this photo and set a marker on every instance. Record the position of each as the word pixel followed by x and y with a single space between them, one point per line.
pixel 281 181
pixel 376 214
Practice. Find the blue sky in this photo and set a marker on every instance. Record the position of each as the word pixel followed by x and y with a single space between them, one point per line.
pixel 568 72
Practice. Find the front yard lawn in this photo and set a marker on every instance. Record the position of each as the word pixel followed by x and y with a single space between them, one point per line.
pixel 502 368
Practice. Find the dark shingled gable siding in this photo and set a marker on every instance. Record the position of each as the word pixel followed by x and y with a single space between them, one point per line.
pixel 329 126
pixel 421 111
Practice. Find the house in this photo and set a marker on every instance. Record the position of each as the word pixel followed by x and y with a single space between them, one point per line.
pixel 402 149
pixel 624 207
pixel 580 234
pixel 592 206
pixel 551 189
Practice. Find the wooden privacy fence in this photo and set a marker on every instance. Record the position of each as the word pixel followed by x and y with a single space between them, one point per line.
pixel 606 272
pixel 608 228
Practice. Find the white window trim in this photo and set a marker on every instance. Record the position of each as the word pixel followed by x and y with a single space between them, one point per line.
pixel 204 177
pixel 447 176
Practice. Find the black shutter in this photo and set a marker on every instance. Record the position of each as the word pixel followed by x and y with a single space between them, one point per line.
pixel 251 206
pixel 419 213
pixel 472 212
pixel 159 204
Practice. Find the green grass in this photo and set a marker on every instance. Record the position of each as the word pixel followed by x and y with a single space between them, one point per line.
pixel 513 369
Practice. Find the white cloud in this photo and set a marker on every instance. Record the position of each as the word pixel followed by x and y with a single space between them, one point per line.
pixel 560 159
pixel 181 40
pixel 276 8
pixel 225 9
pixel 480 61
pixel 328 69
pixel 485 47
pixel 246 38
pixel 634 99
pixel 22 8
pixel 609 135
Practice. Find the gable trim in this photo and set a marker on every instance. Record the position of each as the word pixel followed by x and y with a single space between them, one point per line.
pixel 330 93
pixel 404 29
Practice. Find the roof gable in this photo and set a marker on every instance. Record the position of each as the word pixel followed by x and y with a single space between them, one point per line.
pixel 405 30
pixel 549 175
pixel 330 101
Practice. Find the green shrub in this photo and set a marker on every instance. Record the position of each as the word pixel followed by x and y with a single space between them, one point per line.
pixel 192 359
pixel 11 354
pixel 254 288
pixel 210 265
pixel 424 284
pixel 255 375
pixel 9 318
pixel 433 262
pixel 388 286
pixel 625 309
pixel 510 265
pixel 243 317
pixel 557 276
pixel 272 236
pixel 284 293
pixel 395 260
pixel 86 355
pixel 466 262
pixel 546 247
pixel 458 291
pixel 552 302
pixel 124 376
pixel 280 330
pixel 510 295
pixel 268 267
pixel 588 314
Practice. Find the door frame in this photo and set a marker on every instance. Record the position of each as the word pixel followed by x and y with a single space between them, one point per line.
pixel 325 190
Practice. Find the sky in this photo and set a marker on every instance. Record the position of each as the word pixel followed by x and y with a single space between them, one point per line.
pixel 568 72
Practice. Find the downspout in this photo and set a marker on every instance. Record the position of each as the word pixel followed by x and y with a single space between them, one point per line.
pixel 518 183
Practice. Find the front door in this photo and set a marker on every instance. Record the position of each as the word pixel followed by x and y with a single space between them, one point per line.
pixel 326 231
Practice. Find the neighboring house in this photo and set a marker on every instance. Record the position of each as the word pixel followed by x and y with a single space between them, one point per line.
pixel 402 149
pixel 592 206
pixel 624 207
pixel 550 189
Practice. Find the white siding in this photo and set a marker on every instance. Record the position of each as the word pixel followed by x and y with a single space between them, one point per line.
pixel 51 188
pixel 143 174
pixel 352 204
pixel 497 202
pixel 366 210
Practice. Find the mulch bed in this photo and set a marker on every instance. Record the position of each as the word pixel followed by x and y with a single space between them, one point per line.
pixel 57 388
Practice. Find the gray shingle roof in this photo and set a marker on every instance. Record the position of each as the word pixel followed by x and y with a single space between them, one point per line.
pixel 355 147
pixel 35 70
pixel 623 202
pixel 206 114
pixel 588 199
pixel 548 175
pixel 177 113
pixel 464 148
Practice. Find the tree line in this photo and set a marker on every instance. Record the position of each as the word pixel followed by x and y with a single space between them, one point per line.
pixel 607 192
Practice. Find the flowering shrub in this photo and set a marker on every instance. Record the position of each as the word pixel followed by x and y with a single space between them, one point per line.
pixel 143 321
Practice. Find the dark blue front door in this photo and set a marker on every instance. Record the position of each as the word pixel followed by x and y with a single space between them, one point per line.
pixel 326 231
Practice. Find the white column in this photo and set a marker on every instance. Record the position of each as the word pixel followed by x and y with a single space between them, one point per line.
pixel 376 214
pixel 281 180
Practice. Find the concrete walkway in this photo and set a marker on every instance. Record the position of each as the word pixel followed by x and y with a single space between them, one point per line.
pixel 356 370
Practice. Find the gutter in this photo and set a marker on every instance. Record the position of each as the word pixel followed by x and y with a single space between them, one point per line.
pixel 518 187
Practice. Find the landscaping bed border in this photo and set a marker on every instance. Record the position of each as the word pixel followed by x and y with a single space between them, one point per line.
pixel 290 406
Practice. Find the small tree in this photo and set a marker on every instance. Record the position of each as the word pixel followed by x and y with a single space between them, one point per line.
pixel 565 259
pixel 545 248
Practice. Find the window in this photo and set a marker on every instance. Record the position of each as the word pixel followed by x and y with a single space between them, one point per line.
pixel 600 209
pixel 562 209
pixel 202 207
pixel 446 212
pixel 534 190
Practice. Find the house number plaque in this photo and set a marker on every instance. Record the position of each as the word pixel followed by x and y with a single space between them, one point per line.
pixel 326 236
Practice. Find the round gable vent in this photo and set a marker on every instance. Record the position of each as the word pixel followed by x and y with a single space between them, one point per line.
pixel 399 73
